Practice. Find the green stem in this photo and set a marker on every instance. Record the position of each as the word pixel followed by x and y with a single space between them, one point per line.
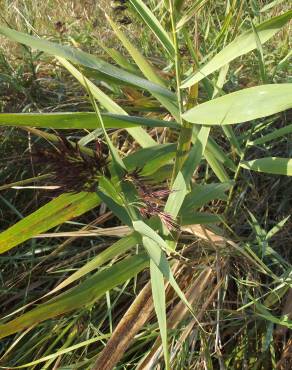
pixel 176 59
pixel 184 140
pixel 231 191
pixel 242 155
pixel 183 148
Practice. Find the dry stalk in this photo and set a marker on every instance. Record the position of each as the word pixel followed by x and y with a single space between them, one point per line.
pixel 128 327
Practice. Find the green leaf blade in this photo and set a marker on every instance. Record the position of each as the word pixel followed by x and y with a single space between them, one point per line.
pixel 86 293
pixel 242 106
pixel 80 57
pixel 152 22
pixel 272 165
pixel 158 294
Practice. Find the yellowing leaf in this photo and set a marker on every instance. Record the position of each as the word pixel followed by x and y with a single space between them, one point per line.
pixel 59 210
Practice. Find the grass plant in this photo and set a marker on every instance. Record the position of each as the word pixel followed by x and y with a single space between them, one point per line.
pixel 145 185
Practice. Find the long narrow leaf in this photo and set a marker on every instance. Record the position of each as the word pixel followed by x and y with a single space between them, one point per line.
pixel 159 154
pixel 240 46
pixel 79 120
pixel 158 257
pixel 84 294
pixel 118 248
pixel 272 136
pixel 146 69
pixel 203 194
pixel 181 184
pixel 216 166
pixel 63 351
pixel 138 133
pixel 80 57
pixel 213 148
pixel 158 293
pixel 152 22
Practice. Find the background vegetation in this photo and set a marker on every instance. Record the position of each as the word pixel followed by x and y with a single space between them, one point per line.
pixel 79 270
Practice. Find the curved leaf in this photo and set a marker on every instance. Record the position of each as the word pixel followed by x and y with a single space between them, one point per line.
pixel 116 249
pixel 80 57
pixel 203 194
pixel 141 136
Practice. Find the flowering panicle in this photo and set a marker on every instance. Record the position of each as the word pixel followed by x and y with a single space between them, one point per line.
pixel 72 169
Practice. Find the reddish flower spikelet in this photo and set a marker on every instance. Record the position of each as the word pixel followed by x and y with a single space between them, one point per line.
pixel 153 200
pixel 150 211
